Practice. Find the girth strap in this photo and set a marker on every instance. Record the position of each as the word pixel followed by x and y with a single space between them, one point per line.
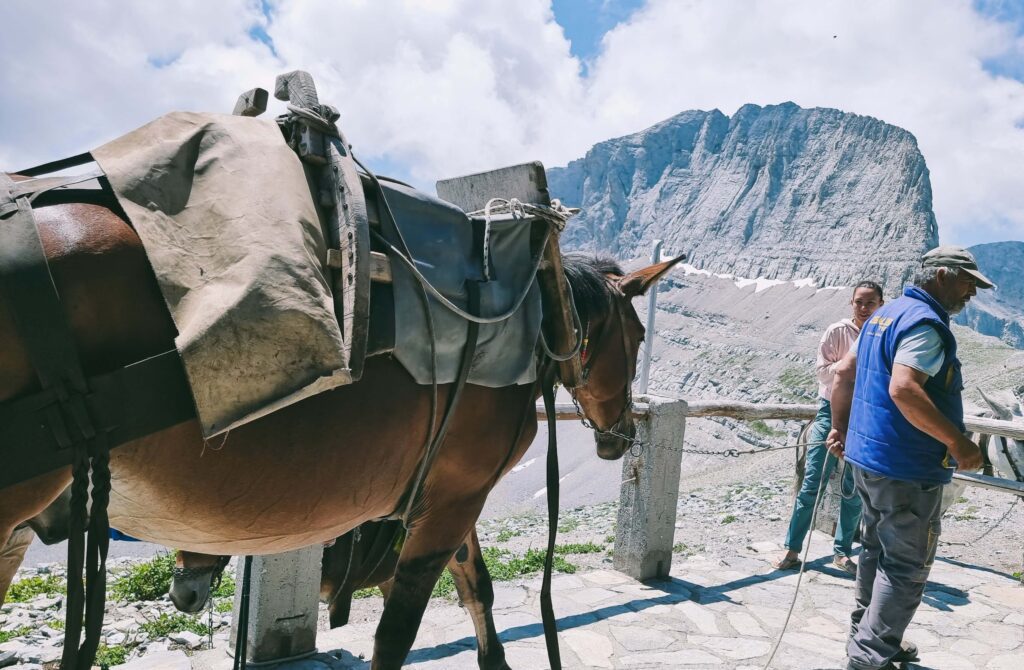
pixel 547 613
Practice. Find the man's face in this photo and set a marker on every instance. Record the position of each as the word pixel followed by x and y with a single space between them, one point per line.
pixel 865 302
pixel 957 290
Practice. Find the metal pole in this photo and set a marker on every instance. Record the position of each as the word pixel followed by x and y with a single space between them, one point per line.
pixel 652 304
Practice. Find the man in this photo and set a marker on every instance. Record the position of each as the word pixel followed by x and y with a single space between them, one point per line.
pixel 901 430
pixel 819 464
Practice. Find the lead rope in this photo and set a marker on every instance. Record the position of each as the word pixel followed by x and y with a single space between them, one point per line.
pixel 242 627
pixel 803 562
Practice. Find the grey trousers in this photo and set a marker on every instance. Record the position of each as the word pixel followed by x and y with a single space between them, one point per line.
pixel 900 532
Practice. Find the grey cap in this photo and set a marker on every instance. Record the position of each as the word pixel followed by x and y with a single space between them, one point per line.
pixel 949 256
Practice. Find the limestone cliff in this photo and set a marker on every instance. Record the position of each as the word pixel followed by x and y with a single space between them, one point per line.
pixel 776 192
pixel 999 313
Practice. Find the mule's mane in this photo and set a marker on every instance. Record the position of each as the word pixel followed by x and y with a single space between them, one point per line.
pixel 586 274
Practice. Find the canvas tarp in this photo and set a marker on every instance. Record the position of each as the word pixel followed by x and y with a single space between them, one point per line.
pixel 224 210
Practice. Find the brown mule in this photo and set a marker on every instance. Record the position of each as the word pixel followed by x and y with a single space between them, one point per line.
pixel 317 469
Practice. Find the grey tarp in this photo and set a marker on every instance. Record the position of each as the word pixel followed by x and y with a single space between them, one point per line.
pixel 227 219
pixel 440 237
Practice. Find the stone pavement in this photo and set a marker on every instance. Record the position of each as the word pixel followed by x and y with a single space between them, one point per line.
pixel 713 614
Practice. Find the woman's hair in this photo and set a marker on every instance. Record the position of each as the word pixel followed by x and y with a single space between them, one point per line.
pixel 871 285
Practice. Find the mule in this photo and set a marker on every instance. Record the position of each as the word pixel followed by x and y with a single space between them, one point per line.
pixel 362 559
pixel 315 470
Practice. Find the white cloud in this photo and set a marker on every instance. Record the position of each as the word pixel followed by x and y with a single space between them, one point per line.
pixel 442 87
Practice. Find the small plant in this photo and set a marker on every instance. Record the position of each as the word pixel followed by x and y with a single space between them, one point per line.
pixel 507 534
pixel 11 634
pixel 223 605
pixel 445 585
pixel 728 518
pixel 578 548
pixel 167 624
pixel 609 539
pixel 57 624
pixel 146 581
pixel 226 588
pixel 763 429
pixel 503 566
pixel 568 525
pixel 372 592
pixel 27 588
pixel 686 550
pixel 961 500
pixel 108 656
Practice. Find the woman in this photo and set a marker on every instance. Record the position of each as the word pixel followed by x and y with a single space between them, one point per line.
pixel 837 340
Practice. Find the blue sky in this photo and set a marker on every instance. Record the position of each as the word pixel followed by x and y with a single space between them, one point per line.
pixel 429 89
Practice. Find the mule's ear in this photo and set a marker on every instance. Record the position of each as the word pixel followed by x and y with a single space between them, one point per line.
pixel 636 283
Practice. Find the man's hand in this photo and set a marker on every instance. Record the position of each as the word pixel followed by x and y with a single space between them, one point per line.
pixel 836 443
pixel 967 454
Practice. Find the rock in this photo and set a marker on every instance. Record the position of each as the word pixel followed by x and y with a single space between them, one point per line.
pixel 116 637
pixel 778 192
pixel 187 638
pixel 165 660
pixel 10 658
pixel 46 602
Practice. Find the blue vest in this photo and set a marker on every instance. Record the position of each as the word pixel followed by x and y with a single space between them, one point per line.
pixel 879 439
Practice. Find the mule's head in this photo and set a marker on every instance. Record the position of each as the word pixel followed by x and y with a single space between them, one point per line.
pixel 194 577
pixel 612 334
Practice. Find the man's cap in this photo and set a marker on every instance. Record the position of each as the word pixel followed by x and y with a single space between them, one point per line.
pixel 950 256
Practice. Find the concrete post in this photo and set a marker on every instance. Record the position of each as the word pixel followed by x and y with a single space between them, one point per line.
pixel 646 525
pixel 283 603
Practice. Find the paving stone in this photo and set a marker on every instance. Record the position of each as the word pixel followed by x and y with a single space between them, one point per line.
pixel 816 644
pixel 589 596
pixel 945 660
pixel 764 547
pixel 638 638
pixel 593 649
pixel 701 618
pixel 819 625
pixel 1012 596
pixel 1014 619
pixel 922 637
pixel 673 659
pixel 739 649
pixel 746 625
pixel 968 647
pixel 606 578
pixel 998 635
pixel 1006 662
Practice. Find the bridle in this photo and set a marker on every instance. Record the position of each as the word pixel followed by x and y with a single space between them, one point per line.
pixel 587 361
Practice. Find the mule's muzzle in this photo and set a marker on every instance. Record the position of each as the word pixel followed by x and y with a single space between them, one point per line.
pixel 189 595
pixel 611 445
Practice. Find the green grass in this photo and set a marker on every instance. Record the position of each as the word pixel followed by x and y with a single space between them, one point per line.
pixel 798 383
pixel 28 588
pixel 506 535
pixel 504 566
pixel 686 550
pixel 610 539
pixel 1018 575
pixel 57 624
pixel 729 518
pixel 372 592
pixel 568 525
pixel 226 588
pixel 166 624
pixel 223 605
pixel 763 429
pixel 108 656
pixel 146 581
pixel 17 632
pixel 579 548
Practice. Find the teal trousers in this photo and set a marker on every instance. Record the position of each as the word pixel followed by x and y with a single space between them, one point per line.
pixel 820 463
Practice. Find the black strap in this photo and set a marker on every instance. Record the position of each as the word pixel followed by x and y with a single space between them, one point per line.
pixel 468 354
pixel 44 330
pixel 547 613
pixel 242 628
pixel 55 166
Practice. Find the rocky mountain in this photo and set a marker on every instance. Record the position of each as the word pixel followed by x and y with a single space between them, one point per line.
pixel 775 192
pixel 999 313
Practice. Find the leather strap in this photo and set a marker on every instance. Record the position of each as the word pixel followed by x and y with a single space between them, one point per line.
pixel 55 166
pixel 547 613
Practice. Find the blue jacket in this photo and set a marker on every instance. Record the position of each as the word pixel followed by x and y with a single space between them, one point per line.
pixel 879 439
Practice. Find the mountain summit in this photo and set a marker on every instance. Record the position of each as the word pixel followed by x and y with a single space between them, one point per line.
pixel 779 192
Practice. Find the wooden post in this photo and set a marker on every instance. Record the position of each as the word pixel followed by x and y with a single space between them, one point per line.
pixel 645 531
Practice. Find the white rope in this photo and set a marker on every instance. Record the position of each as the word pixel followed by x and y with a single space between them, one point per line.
pixel 803 562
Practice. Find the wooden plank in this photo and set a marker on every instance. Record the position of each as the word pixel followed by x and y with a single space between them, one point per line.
pixel 980 424
pixel 526 182
pixel 747 410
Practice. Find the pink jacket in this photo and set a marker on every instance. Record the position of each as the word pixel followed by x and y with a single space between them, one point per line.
pixel 836 341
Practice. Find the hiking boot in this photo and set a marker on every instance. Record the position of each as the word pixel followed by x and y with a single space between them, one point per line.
pixel 906 654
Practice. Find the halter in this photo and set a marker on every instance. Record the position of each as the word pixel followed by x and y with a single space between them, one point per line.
pixel 627 405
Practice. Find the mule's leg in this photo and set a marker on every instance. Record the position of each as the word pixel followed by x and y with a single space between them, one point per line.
pixel 427 549
pixel 11 556
pixel 477 594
